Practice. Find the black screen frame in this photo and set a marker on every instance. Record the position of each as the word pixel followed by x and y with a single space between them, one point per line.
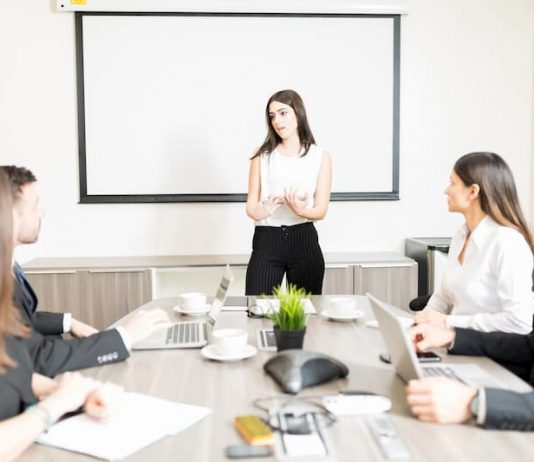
pixel 85 198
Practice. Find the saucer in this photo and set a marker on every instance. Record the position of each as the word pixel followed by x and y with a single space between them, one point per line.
pixel 331 314
pixel 406 322
pixel 212 352
pixel 204 310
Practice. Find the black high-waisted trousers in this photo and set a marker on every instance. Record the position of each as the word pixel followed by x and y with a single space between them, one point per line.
pixel 293 250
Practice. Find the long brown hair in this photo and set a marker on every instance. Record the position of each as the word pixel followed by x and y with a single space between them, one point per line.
pixel 9 318
pixel 498 194
pixel 294 101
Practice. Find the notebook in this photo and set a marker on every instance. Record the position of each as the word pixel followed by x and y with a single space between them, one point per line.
pixel 140 421
pixel 189 334
pixel 405 360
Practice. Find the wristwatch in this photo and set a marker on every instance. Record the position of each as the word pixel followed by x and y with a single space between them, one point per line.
pixel 473 406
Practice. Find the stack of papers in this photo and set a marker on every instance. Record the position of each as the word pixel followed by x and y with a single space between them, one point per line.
pixel 141 420
pixel 273 304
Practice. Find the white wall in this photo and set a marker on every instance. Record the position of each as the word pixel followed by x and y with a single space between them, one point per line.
pixel 466 80
pixel 532 137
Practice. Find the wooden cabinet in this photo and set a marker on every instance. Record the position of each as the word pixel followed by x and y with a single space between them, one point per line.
pixel 393 282
pixel 57 290
pixel 338 279
pixel 396 285
pixel 97 297
pixel 100 290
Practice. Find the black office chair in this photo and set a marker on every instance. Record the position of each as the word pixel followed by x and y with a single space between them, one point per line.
pixel 419 303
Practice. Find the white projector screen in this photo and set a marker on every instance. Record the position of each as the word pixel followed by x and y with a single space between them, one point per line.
pixel 172 106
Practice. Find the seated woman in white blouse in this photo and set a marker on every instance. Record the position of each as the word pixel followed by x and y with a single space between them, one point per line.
pixel 487 283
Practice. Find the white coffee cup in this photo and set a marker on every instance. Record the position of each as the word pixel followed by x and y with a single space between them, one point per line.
pixel 229 341
pixel 343 305
pixel 193 301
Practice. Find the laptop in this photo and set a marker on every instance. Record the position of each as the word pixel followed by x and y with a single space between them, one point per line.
pixel 405 360
pixel 190 334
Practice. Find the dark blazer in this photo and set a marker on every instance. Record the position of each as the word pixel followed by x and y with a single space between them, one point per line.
pixel 44 322
pixel 53 355
pixel 505 410
pixel 16 384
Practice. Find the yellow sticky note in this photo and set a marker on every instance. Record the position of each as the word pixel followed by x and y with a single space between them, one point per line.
pixel 78 2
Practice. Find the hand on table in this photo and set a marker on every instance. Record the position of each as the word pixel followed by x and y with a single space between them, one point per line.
pixel 104 401
pixel 80 330
pixel 440 400
pixel 427 336
pixel 143 323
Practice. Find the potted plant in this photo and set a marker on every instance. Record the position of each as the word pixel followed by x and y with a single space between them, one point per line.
pixel 289 321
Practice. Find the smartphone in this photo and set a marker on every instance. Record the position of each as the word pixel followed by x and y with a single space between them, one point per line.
pixel 244 451
pixel 426 357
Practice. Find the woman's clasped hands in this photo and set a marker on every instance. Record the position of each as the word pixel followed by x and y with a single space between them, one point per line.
pixel 295 201
pixel 266 207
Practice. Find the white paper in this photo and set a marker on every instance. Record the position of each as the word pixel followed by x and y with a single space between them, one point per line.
pixel 234 308
pixel 268 304
pixel 141 420
pixel 304 445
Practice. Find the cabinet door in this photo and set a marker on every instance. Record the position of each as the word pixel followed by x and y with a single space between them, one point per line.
pixel 338 280
pixel 113 294
pixel 402 285
pixel 58 291
pixel 396 285
pixel 171 282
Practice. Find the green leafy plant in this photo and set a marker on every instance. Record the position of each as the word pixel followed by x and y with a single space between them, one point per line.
pixel 291 315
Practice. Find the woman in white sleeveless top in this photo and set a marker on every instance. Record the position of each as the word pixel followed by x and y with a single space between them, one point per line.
pixel 289 188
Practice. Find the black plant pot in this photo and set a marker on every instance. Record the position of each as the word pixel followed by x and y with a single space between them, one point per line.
pixel 289 339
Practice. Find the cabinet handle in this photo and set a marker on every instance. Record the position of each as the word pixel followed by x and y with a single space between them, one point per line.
pixel 386 265
pixel 117 270
pixel 51 272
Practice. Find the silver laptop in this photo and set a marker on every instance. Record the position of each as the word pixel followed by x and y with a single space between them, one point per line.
pixel 190 334
pixel 405 360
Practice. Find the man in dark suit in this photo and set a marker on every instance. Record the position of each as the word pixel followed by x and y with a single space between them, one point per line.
pixel 29 215
pixel 447 401
pixel 52 354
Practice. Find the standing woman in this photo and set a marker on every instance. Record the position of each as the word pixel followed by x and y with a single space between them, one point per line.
pixel 289 188
pixel 487 283
pixel 22 416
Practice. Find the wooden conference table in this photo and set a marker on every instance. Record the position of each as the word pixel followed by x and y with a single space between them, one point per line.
pixel 229 388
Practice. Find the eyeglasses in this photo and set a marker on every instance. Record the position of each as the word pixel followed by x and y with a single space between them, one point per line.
pixel 256 312
pixel 295 415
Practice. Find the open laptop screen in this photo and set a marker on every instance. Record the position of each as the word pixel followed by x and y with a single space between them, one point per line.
pixel 220 295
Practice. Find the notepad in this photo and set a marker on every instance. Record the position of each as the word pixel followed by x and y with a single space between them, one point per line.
pixel 141 420
pixel 273 304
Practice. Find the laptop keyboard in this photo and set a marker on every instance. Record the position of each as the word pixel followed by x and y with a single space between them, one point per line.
pixel 186 332
pixel 429 371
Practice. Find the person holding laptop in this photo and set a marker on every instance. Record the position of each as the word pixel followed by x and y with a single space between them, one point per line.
pixel 289 188
pixel 487 282
pixel 23 417
pixel 444 400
